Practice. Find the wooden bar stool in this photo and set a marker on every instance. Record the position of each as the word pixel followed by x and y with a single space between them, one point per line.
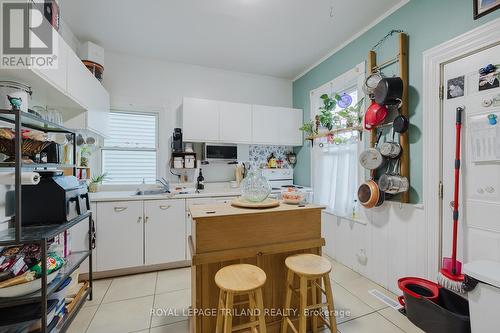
pixel 310 269
pixel 241 279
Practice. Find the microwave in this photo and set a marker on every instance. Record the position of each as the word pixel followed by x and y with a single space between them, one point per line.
pixel 221 152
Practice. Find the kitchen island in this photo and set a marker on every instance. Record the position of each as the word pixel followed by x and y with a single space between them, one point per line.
pixel 224 235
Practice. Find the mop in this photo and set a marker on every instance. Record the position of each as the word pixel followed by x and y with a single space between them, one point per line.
pixel 450 276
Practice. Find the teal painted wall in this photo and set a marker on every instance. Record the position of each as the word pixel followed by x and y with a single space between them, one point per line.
pixel 428 23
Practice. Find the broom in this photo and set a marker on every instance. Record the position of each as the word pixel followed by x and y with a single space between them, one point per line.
pixel 450 276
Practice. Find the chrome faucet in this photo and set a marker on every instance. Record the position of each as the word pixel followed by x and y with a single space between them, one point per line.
pixel 164 183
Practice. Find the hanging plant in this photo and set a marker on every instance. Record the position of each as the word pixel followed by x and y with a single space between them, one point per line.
pixel 326 117
pixel 352 114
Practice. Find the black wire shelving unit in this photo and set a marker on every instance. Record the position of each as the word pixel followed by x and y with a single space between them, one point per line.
pixel 41 235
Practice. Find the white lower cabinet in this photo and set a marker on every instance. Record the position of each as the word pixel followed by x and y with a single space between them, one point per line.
pixel 164 231
pixel 120 235
pixel 80 240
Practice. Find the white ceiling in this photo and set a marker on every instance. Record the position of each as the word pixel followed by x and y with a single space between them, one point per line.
pixel 280 38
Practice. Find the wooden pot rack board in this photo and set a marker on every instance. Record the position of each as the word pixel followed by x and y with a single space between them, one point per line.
pixel 402 59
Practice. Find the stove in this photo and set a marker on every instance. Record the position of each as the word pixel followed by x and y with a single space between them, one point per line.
pixel 281 179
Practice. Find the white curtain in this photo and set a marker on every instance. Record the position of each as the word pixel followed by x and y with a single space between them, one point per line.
pixel 335 173
pixel 335 176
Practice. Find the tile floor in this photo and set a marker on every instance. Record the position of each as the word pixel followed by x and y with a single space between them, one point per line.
pixel 123 304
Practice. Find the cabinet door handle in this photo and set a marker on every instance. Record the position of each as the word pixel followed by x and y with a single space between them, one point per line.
pixel 120 209
pixel 146 219
pixel 139 220
pixel 164 207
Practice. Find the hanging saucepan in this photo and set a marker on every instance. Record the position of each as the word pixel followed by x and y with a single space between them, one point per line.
pixel 393 183
pixel 375 115
pixel 371 83
pixel 369 194
pixel 371 158
pixel 391 149
pixel 389 91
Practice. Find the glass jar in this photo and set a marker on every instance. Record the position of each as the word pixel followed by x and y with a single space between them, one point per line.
pixel 255 187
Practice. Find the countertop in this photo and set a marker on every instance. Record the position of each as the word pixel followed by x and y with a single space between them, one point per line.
pixel 217 210
pixel 211 190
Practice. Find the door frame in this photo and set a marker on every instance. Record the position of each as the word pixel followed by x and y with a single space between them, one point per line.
pixel 434 60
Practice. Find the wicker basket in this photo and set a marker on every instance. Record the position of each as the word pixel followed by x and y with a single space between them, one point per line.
pixel 30 148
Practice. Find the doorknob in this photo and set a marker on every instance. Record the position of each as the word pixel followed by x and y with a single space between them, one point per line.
pixel 146 219
pixel 139 220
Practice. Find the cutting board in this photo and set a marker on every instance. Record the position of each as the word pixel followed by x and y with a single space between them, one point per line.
pixel 267 203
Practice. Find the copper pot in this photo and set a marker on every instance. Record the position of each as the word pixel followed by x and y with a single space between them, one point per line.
pixel 369 194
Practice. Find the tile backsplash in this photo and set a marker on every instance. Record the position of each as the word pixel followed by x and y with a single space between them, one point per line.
pixel 258 154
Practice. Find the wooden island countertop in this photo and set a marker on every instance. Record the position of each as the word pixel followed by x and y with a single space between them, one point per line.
pixel 224 235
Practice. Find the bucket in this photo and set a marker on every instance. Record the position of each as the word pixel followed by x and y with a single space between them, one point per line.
pixel 448 312
pixel 14 90
pixel 418 288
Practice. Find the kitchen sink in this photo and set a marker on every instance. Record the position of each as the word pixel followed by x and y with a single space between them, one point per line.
pixel 151 192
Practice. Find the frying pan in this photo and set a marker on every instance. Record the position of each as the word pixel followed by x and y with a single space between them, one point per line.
pixel 389 91
pixel 400 124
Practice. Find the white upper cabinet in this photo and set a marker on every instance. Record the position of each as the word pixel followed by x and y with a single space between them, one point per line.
pixel 276 125
pixel 58 76
pixel 291 121
pixel 235 122
pixel 200 120
pixel 217 121
pixel 89 92
pixel 266 122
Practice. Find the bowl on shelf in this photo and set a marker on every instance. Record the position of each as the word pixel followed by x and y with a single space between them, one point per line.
pixel 26 288
pixel 292 196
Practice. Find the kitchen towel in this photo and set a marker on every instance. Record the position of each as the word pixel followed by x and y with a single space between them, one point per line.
pixel 27 178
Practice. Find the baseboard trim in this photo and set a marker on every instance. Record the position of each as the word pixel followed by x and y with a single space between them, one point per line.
pixel 134 270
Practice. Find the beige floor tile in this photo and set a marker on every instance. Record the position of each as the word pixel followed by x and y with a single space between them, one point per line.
pixel 174 279
pixel 347 305
pixel 123 316
pixel 82 319
pixel 170 307
pixel 400 320
pixel 100 289
pixel 133 286
pixel 179 327
pixel 341 273
pixel 360 287
pixel 372 323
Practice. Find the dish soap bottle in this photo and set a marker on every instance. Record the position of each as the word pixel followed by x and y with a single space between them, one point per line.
pixel 200 182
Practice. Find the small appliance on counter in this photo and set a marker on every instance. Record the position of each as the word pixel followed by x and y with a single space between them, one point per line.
pixel 177 146
pixel 55 200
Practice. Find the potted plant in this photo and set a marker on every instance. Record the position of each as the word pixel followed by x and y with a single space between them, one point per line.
pixel 326 117
pixel 308 128
pixel 85 152
pixel 96 181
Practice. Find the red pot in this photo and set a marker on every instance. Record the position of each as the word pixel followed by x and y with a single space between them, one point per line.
pixel 375 115
pixel 418 288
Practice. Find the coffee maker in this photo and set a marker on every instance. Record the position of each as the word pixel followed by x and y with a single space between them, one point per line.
pixel 177 146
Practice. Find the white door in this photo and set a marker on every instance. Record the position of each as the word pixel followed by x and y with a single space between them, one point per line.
pixel 200 120
pixel 235 120
pixel 120 232
pixel 479 230
pixel 164 231
pixel 266 122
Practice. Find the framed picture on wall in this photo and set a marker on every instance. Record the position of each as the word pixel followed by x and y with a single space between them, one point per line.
pixel 483 7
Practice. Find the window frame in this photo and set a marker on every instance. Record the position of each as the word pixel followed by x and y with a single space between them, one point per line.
pixel 354 78
pixel 156 149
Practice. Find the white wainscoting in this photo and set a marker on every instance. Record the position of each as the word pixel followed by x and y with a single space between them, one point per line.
pixel 393 238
